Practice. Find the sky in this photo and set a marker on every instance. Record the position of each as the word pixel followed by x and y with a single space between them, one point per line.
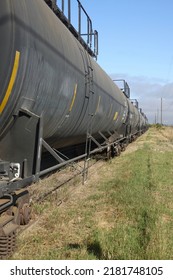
pixel 136 44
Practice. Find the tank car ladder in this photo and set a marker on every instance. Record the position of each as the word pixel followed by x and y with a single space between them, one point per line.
pixel 89 95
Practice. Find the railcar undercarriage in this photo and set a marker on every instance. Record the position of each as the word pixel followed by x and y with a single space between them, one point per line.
pixel 15 208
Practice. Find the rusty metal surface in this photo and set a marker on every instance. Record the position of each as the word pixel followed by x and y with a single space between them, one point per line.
pixel 25 214
pixel 7 245
pixel 7 236
pixel 3 201
pixel 18 214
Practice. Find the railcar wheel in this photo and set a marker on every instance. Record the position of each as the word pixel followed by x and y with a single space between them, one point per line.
pixel 117 150
pixel 108 153
pixel 8 229
pixel 123 147
pixel 25 214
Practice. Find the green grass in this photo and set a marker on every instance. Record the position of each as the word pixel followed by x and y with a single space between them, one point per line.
pixel 125 213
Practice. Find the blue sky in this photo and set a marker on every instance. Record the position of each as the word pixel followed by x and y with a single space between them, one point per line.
pixel 136 44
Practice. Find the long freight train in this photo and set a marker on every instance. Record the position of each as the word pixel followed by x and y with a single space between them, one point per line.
pixel 53 95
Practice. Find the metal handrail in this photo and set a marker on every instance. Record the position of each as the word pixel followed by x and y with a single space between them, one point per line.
pixel 126 88
pixel 59 10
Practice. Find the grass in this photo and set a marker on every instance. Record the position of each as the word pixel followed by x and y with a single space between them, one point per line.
pixel 124 212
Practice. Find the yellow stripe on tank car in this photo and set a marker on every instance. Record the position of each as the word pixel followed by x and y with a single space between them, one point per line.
pixel 74 97
pixel 98 104
pixel 115 116
pixel 11 83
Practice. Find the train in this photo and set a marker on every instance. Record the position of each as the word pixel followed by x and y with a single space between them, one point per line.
pixel 53 96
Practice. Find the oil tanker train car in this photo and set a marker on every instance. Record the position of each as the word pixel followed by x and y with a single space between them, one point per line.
pixel 53 95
